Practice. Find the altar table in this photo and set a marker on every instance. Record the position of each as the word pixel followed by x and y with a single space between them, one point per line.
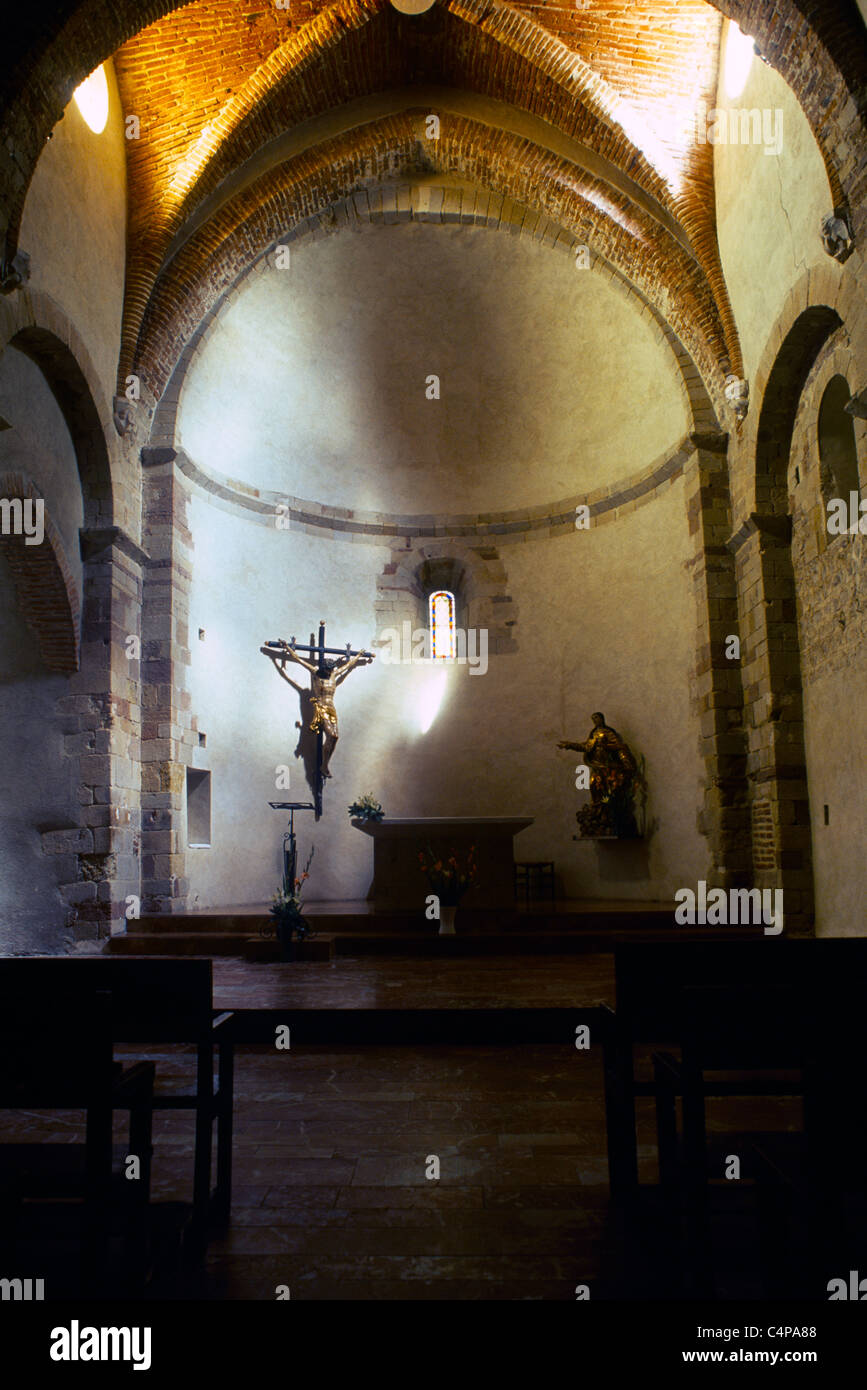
pixel 398 881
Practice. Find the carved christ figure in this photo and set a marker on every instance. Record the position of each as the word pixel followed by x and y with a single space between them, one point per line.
pixel 325 677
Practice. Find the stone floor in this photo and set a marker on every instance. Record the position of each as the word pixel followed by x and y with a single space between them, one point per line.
pixel 333 1146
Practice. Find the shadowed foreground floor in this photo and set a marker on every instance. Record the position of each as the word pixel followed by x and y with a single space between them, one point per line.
pixel 333 1146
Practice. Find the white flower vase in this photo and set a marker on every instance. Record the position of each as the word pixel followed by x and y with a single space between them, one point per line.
pixel 447 919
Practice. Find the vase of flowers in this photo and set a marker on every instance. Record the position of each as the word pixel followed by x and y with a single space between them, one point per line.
pixel 286 909
pixel 449 877
pixel 366 808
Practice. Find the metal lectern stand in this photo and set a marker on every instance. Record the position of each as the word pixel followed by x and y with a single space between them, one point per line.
pixel 290 843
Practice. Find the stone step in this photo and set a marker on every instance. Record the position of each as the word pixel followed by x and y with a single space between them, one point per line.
pixel 412 944
pixel 364 922
pixel 320 948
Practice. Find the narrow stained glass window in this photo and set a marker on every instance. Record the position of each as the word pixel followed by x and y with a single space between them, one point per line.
pixel 442 625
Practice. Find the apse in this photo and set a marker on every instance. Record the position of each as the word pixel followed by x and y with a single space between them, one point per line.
pixel 328 480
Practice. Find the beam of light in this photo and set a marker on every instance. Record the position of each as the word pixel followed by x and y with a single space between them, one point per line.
pixel 91 98
pixel 431 698
pixel 739 54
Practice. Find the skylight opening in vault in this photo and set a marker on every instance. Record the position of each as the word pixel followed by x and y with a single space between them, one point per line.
pixel 91 98
pixel 739 54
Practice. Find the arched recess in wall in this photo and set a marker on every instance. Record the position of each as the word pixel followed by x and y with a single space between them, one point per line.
pixel 473 572
pixel 793 364
pixel 838 453
pixel 774 688
pixel 347 214
pixel 70 388
pixel 50 732
pixel 46 592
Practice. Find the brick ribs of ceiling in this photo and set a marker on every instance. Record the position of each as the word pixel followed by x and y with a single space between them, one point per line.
pixel 215 81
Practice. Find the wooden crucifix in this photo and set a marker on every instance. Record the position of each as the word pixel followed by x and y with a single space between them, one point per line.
pixel 325 676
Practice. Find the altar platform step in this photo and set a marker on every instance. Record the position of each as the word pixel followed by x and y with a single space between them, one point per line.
pixel 355 929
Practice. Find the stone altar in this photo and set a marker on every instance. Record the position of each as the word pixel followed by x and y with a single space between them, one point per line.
pixel 398 882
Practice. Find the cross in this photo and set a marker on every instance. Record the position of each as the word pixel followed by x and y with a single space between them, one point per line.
pixel 325 676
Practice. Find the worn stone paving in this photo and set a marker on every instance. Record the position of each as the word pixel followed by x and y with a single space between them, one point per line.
pixel 333 1144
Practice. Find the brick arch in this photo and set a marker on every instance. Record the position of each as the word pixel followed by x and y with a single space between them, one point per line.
pixel 46 591
pixel 799 38
pixel 441 205
pixel 354 50
pixel 35 326
pixel 209 265
pixel 817 48
pixel 794 361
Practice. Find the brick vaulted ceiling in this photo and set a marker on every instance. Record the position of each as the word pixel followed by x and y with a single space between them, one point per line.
pixel 578 113
pixel 254 118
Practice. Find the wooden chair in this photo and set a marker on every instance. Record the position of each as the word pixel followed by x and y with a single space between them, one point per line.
pixel 650 982
pixel 56 1052
pixel 160 1001
pixel 734 1042
pixel 814 1185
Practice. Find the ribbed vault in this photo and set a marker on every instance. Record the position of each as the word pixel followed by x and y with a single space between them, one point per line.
pixel 579 114
pixel 637 246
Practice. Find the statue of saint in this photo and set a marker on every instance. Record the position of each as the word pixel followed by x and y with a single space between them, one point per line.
pixel 325 676
pixel 613 770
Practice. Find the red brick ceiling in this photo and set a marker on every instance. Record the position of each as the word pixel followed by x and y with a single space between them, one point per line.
pixel 642 54
pixel 214 82
pixel 574 109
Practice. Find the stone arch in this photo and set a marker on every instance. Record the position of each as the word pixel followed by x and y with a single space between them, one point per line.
pixel 35 325
pixel 208 266
pixel 792 365
pixel 771 660
pixel 46 591
pixel 838 453
pixel 441 204
pixel 478 579
pixel 98 711
pixel 49 60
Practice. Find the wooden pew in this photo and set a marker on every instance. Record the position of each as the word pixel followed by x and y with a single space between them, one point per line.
pixel 159 1001
pixel 756 1037
pixel 651 980
pixel 56 1052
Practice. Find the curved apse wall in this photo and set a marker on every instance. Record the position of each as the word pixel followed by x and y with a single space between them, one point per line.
pixel 314 379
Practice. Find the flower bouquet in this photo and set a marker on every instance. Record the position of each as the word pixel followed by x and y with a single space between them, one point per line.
pixel 366 808
pixel 449 879
pixel 286 909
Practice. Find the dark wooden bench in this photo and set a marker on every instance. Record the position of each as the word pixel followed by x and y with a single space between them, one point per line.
pixel 651 985
pixel 158 1001
pixel 56 1053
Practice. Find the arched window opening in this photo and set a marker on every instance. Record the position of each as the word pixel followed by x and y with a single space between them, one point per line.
pixel 739 54
pixel 441 605
pixel 92 100
pixel 838 455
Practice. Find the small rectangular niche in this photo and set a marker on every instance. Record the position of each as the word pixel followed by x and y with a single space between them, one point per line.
pixel 198 808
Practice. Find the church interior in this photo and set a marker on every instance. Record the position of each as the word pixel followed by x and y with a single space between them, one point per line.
pixel 497 371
